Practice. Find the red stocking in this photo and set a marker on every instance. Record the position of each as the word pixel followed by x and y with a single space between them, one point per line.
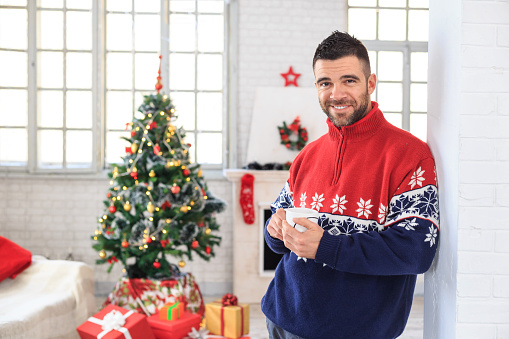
pixel 246 198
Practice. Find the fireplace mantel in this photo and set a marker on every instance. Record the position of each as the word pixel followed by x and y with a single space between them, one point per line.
pixel 249 283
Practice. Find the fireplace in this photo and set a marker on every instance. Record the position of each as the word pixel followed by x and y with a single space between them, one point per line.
pixel 253 262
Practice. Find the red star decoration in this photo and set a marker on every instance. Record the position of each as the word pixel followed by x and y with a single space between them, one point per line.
pixel 289 75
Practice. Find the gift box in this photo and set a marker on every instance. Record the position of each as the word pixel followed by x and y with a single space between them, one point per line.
pixel 176 329
pixel 171 311
pixel 227 318
pixel 114 322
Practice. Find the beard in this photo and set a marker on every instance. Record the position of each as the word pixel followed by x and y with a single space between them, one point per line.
pixel 359 112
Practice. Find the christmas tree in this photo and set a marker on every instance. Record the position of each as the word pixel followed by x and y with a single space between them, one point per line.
pixel 158 204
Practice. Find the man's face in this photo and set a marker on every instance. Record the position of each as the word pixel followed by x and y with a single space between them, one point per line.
pixel 343 90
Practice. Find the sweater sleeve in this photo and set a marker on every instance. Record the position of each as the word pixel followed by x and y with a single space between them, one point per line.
pixel 284 200
pixel 405 244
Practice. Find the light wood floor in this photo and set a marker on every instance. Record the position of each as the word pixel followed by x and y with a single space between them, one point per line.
pixel 259 331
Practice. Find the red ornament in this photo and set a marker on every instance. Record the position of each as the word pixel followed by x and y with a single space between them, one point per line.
pixel 194 244
pixel 175 189
pixel 128 150
pixel 149 240
pixel 125 244
pixel 166 205
pixel 201 224
pixel 157 149
pixel 112 209
pixel 134 175
pixel 186 172
pixel 207 250
pixel 156 264
pixel 153 125
pixel 108 195
pixel 165 243
pixel 133 133
pixel 288 75
pixel 159 85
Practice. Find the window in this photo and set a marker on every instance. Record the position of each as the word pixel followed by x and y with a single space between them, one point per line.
pixel 395 32
pixel 74 73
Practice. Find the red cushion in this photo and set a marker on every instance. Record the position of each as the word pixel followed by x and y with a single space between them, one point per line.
pixel 14 259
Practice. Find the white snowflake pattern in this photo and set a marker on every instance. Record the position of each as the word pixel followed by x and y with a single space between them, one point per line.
pixel 364 208
pixel 382 212
pixel 317 201
pixel 339 204
pixel 409 224
pixel 303 198
pixel 417 178
pixel 431 236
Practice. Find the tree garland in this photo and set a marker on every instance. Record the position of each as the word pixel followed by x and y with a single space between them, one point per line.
pixel 295 128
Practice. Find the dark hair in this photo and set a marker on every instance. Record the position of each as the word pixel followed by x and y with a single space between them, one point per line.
pixel 339 45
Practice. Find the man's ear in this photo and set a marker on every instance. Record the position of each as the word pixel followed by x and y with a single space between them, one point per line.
pixel 371 83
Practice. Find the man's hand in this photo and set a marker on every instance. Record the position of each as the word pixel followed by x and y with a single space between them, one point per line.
pixel 303 244
pixel 275 226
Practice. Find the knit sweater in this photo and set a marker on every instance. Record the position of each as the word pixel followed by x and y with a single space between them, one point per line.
pixel 374 186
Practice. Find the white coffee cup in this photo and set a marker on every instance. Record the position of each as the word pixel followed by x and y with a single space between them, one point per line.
pixel 297 212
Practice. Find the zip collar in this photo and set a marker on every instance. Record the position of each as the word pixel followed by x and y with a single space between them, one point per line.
pixel 362 129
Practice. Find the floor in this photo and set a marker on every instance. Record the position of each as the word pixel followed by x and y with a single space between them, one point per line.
pixel 258 330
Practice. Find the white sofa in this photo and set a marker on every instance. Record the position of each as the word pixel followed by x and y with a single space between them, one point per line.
pixel 47 300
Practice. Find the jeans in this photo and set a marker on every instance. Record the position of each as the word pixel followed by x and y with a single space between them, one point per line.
pixel 276 332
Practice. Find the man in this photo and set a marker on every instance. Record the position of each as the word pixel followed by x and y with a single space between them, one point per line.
pixel 353 274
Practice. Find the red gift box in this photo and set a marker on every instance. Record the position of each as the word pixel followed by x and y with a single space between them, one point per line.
pixel 175 329
pixel 115 322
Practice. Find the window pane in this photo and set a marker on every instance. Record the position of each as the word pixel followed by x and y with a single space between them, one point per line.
pixel 119 109
pixel 210 148
pixel 190 139
pixel 418 97
pixel 146 66
pixel 51 71
pixel 372 61
pixel 79 70
pixel 51 3
pixel 182 6
pixel 210 33
pixel 390 66
pixel 390 97
pixel 78 111
pixel 418 125
pixel 182 71
pixel 119 32
pixel 115 146
pixel 371 3
pixel 209 6
pixel 147 6
pixel 392 24
pixel 118 70
pixel 184 109
pixel 78 150
pixel 13 155
pixel 418 3
pixel 51 31
pixel 78 4
pixel 362 23
pixel 50 149
pixel 147 32
pixel 210 72
pixel 119 5
pixel 394 118
pixel 418 25
pixel 13 107
pixel 51 109
pixel 13 28
pixel 13 67
pixel 13 2
pixel 182 33
pixel 210 111
pixel 392 3
pixel 419 66
pixel 79 30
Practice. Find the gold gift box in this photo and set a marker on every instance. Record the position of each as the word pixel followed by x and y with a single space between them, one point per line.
pixel 227 321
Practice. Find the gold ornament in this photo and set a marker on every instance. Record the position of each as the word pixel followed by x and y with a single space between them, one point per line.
pixel 152 174
pixel 102 254
pixel 207 231
pixel 200 173
pixel 182 264
pixel 150 207
pixel 134 147
pixel 184 209
pixel 127 206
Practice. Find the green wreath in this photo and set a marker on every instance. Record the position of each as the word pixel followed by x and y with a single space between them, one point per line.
pixel 295 128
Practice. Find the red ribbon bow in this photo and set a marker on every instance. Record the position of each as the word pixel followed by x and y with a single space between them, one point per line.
pixel 229 300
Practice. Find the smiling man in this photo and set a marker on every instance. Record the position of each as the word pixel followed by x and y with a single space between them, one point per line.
pixel 352 274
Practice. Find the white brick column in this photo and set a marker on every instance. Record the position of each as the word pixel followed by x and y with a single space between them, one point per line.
pixel 467 290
